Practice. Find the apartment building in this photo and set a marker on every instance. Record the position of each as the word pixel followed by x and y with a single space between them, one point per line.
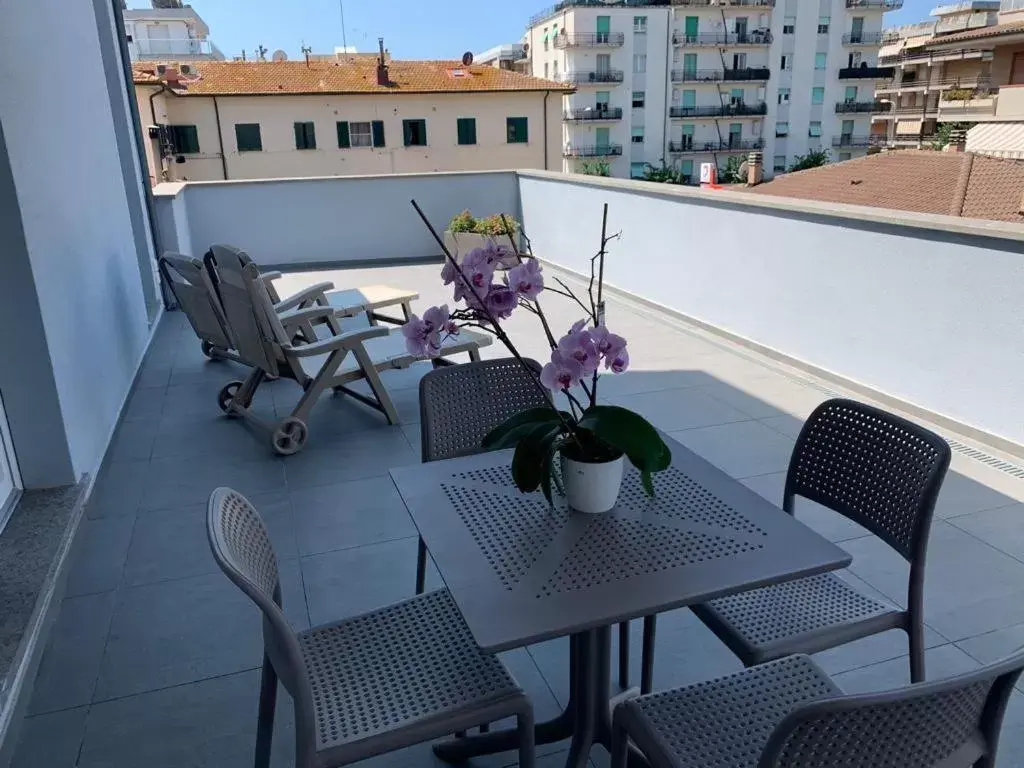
pixel 169 29
pixel 689 82
pixel 511 56
pixel 358 114
pixel 965 67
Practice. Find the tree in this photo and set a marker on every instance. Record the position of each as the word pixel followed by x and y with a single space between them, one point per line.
pixel 731 173
pixel 595 168
pixel 943 134
pixel 813 159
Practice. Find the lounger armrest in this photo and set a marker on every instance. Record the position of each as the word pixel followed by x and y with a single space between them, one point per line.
pixel 315 293
pixel 348 340
pixel 268 277
pixel 307 315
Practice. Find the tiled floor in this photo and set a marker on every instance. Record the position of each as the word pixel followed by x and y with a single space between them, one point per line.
pixel 152 660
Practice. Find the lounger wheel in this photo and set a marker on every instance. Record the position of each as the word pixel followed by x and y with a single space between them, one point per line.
pixel 207 348
pixel 290 436
pixel 227 394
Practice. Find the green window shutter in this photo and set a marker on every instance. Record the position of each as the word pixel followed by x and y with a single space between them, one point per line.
pixel 377 126
pixel 343 140
pixel 186 139
pixel 423 132
pixel 300 136
pixel 516 129
pixel 407 132
pixel 414 133
pixel 466 128
pixel 305 136
pixel 248 138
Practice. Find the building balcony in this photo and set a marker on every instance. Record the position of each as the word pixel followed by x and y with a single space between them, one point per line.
pixel 749 74
pixel 883 5
pixel 862 38
pixel 593 150
pixel 855 107
pixel 932 57
pixel 867 73
pixel 757 37
pixel 975 107
pixel 849 140
pixel 585 114
pixel 594 77
pixel 185 49
pixel 723 110
pixel 604 40
pixel 724 3
pixel 689 147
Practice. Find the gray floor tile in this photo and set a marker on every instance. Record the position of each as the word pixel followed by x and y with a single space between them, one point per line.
pixel 787 424
pixel 829 524
pixel 675 409
pixel 961 494
pixel 210 724
pixel 985 614
pixel 330 517
pixel 133 441
pixel 351 581
pixel 993 646
pixel 210 432
pixel 349 457
pixel 101 547
pixel 872 650
pixel 118 489
pixel 1003 528
pixel 742 449
pixel 145 404
pixel 940 662
pixel 51 741
pixel 71 661
pixel 638 381
pixel 182 481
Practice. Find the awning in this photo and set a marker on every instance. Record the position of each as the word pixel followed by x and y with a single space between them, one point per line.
pixel 892 49
pixel 997 140
pixel 905 127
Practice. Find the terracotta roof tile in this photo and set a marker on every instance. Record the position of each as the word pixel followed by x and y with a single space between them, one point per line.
pixel 356 74
pixel 1011 28
pixel 949 183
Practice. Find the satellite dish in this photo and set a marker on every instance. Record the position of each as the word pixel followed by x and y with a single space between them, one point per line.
pixel 467 58
pixel 744 168
pixel 279 55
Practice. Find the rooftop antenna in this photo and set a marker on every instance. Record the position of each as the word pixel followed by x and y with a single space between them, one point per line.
pixel 344 40
pixel 261 52
pixel 306 50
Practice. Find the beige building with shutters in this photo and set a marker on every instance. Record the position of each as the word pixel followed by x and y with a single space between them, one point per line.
pixel 356 115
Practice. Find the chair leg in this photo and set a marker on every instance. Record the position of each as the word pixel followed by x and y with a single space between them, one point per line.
pixel 647 656
pixel 916 634
pixel 421 567
pixel 524 727
pixel 624 654
pixel 620 745
pixel 265 724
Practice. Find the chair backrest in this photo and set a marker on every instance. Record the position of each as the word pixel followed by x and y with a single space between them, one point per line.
pixel 460 404
pixel 254 324
pixel 875 468
pixel 190 283
pixel 242 549
pixel 942 724
pixel 242 262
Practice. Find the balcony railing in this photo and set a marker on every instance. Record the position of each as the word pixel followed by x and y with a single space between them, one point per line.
pixel 593 150
pixel 593 113
pixel 693 147
pixel 867 73
pixel 599 40
pixel 717 75
pixel 722 110
pixel 551 10
pixel 862 38
pixel 887 5
pixel 718 3
pixel 848 107
pixel 927 58
pixel 849 140
pixel 583 78
pixel 187 47
pixel 757 37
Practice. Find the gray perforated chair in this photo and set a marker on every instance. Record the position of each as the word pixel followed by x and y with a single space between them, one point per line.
pixel 401 675
pixel 789 714
pixel 880 471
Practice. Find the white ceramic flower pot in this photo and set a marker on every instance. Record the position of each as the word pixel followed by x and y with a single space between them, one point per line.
pixel 592 488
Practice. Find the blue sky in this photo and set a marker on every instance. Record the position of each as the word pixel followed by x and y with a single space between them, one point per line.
pixel 412 29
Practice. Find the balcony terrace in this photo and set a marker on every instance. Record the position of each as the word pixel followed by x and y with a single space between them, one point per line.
pixel 599 77
pixel 586 114
pixel 867 73
pixel 153 657
pixel 723 110
pixel 848 107
pixel 862 38
pixel 753 38
pixel 748 74
pixel 593 150
pixel 600 40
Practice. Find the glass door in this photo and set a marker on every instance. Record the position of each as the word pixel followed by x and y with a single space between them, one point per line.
pixel 10 482
pixel 604 28
pixel 690 66
pixel 602 138
pixel 691 28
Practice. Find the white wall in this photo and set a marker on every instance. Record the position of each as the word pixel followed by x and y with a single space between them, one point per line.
pixel 74 208
pixel 328 220
pixel 930 317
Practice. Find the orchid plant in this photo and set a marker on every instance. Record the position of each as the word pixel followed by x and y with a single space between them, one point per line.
pixel 585 431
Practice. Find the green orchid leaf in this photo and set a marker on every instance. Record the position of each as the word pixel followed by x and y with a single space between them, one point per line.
pixel 630 433
pixel 550 450
pixel 647 481
pixel 528 459
pixel 501 436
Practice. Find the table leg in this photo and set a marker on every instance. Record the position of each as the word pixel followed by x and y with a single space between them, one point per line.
pixel 587 703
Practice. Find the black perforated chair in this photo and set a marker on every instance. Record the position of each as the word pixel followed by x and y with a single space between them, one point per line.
pixel 397 676
pixel 878 470
pixel 788 714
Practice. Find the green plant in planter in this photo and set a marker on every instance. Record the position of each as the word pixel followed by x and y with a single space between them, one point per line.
pixel 585 431
pixel 493 226
pixel 462 222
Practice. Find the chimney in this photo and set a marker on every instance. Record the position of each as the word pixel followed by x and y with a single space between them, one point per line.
pixel 755 168
pixel 382 66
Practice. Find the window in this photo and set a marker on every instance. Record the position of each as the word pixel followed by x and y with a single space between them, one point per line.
pixel 185 139
pixel 638 99
pixel 640 24
pixel 414 132
pixel 554 69
pixel 344 142
pixel 817 95
pixel 739 61
pixel 638 134
pixel 779 163
pixel 736 97
pixel 305 136
pixel 735 134
pixel 360 134
pixel 604 28
pixel 814 129
pixel 741 27
pixel 602 100
pixel 545 38
pixel 636 170
pixel 686 169
pixel 639 62
pixel 545 70
pixel 377 127
pixel 823 22
pixel 789 25
pixel 783 95
pixel 516 130
pixel 781 128
pixel 851 94
pixel 844 156
pixel 689 98
pixel 248 138
pixel 786 61
pixel 465 128
pixel 820 59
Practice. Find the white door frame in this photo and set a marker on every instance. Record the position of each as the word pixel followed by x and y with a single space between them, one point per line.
pixel 10 478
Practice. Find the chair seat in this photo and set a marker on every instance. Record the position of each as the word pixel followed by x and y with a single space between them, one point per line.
pixel 401 667
pixel 801 616
pixel 723 723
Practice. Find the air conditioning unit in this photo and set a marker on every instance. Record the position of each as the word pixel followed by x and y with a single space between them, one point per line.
pixel 187 70
pixel 161 69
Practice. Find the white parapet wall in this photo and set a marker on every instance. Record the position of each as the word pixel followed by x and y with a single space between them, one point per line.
pixel 925 309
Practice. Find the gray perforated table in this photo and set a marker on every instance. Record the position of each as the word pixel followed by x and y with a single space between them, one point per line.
pixel 522 572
